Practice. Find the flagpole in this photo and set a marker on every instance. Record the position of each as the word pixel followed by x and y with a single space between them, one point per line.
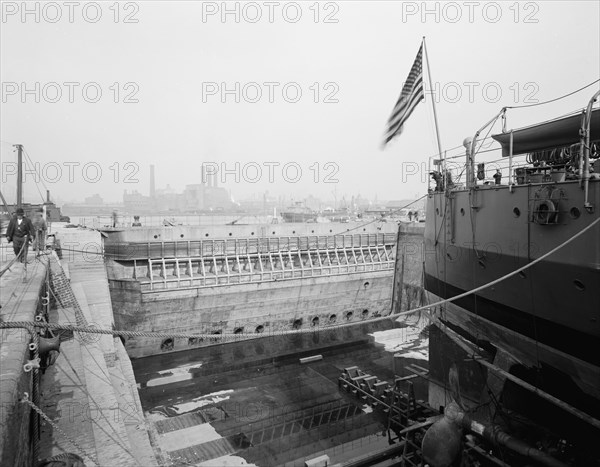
pixel 437 130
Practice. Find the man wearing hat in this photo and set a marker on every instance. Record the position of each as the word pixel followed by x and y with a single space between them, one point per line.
pixel 40 229
pixel 19 231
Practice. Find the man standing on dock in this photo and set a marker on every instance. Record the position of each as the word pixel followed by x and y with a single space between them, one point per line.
pixel 40 228
pixel 19 230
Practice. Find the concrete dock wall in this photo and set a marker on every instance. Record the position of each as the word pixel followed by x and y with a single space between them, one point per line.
pixel 247 306
pixel 408 280
pixel 20 300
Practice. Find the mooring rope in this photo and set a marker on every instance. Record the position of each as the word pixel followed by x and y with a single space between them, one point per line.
pixel 12 261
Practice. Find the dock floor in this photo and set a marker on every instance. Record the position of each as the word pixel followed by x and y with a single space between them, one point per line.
pixel 264 409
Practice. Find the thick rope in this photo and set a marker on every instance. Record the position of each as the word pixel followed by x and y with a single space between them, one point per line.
pixel 216 337
pixel 12 261
pixel 57 428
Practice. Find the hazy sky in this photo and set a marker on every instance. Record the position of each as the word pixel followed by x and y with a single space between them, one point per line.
pixel 176 70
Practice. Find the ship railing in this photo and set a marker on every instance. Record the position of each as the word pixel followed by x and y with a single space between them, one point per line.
pixel 241 246
pixel 168 273
pixel 550 168
pixel 515 171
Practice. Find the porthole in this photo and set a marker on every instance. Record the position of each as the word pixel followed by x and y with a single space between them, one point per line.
pixel 167 345
pixel 312 231
pixel 349 315
pixel 230 234
pixel 297 323
pixel 574 213
pixel 315 321
pixel 516 212
pixel 462 211
pixel 366 284
pixel 273 232
pixel 194 340
pixel 332 318
pixel 181 236
pixel 217 332
pixel 156 236
pixel 293 231
pixel 437 211
pixel 206 235
pixel 238 330
pixel 365 314
pixel 579 285
pixel 259 329
pixel 251 233
pixel 330 231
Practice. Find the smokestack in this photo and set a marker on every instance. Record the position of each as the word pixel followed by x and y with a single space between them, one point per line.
pixel 47 196
pixel 152 187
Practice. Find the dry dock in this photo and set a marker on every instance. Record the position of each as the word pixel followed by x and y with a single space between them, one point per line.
pixel 271 401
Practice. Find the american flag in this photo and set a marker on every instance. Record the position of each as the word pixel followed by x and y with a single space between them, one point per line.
pixel 412 94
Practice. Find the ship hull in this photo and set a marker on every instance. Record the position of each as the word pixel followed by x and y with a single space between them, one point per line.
pixel 546 318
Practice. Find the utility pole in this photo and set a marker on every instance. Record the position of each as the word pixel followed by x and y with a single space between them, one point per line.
pixel 19 175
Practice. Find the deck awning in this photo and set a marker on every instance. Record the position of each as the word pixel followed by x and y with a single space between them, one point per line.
pixel 554 134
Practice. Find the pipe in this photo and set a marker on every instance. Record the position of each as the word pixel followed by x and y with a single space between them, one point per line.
pixel 495 435
pixel 510 163
pixel 586 168
pixel 19 175
pixel 442 442
pixel 378 456
pixel 471 154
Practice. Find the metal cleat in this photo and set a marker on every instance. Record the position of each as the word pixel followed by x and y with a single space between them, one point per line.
pixel 32 365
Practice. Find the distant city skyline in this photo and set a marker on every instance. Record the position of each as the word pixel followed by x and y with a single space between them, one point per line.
pixel 39 178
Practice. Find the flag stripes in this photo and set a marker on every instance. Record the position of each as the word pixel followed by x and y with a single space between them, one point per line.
pixel 412 94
